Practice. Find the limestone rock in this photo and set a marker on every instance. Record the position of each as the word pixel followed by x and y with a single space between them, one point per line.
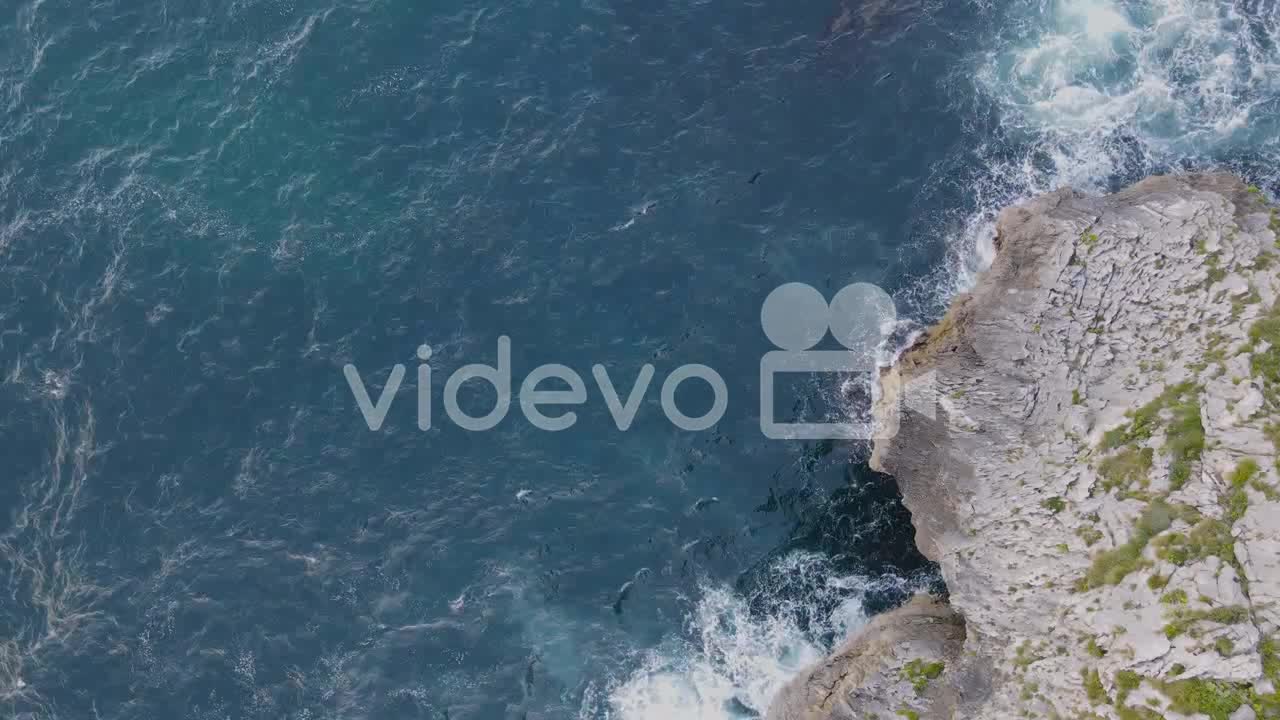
pixel 1099 484
pixel 889 666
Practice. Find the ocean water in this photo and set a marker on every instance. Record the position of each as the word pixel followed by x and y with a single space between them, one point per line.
pixel 208 209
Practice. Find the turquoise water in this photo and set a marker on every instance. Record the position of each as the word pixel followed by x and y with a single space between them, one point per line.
pixel 208 209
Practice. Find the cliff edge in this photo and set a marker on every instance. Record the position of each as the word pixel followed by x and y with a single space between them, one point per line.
pixel 1099 484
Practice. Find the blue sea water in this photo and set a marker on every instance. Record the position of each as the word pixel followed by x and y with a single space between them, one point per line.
pixel 208 208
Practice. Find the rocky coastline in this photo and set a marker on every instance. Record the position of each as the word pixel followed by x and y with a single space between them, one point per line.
pixel 1098 483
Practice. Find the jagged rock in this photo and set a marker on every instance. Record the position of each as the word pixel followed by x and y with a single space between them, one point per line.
pixel 1099 482
pixel 890 665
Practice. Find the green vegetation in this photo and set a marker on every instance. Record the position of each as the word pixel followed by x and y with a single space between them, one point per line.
pixel 1093 649
pixel 1075 397
pixel 919 673
pixel 1157 582
pixel 1237 499
pixel 1212 537
pixel 1111 566
pixel 1244 472
pixel 1093 688
pixel 1089 534
pixel 1129 466
pixel 1237 504
pixel 1184 439
pixel 1183 619
pixel 1268 706
pixel 1054 504
pixel 1126 682
pixel 1266 364
pixel 1249 474
pixel 1224 646
pixel 1175 597
pixel 1215 699
pixel 1208 537
pixel 1270 658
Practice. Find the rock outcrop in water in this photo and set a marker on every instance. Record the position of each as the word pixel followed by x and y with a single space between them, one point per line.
pixel 1100 485
pixel 861 678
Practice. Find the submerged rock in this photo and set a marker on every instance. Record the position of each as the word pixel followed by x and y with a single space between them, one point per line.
pixel 1098 483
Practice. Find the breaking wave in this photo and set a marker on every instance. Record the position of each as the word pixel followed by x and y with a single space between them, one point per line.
pixel 741 648
pixel 1095 95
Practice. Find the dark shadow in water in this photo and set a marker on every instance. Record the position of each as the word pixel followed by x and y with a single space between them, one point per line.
pixel 861 525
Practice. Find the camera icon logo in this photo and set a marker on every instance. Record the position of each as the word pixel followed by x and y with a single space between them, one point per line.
pixel 795 317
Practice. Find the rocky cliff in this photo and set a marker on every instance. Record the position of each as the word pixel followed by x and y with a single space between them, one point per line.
pixel 1099 484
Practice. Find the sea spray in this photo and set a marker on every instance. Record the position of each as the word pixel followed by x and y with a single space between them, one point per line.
pixel 740 649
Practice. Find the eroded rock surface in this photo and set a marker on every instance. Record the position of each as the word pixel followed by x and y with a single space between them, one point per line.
pixel 891 664
pixel 1099 485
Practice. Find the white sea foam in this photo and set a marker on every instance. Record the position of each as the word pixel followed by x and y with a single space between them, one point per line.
pixel 1182 76
pixel 1092 94
pixel 737 654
